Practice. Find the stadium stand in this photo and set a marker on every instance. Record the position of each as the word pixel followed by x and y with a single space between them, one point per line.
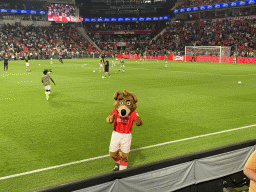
pixel 24 5
pixel 18 40
pixel 133 35
pixel 238 34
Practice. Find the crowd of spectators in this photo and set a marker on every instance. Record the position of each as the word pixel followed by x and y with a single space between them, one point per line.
pixel 41 41
pixel 61 10
pixel 24 5
pixel 245 11
pixel 123 42
pixel 239 34
pixel 119 27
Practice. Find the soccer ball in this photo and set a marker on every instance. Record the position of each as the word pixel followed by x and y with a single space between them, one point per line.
pixel 103 77
pixel 93 71
pixel 239 82
pixel 39 64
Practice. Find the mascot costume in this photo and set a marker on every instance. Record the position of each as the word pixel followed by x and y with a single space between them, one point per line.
pixel 123 116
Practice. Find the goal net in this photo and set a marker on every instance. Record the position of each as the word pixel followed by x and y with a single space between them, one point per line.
pixel 207 53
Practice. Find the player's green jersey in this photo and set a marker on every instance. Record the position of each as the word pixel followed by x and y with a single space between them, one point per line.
pixel 165 58
pixel 234 56
pixel 122 61
pixel 46 80
pixel 145 53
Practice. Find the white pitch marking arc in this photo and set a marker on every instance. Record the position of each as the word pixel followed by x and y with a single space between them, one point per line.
pixel 103 156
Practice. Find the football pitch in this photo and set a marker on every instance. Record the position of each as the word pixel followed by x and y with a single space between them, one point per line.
pixel 183 100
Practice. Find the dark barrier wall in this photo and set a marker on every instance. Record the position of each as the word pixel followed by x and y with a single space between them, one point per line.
pixel 149 167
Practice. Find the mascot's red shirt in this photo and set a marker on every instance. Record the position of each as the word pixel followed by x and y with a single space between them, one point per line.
pixel 124 125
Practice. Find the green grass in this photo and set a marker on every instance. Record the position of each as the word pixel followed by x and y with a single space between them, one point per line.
pixel 180 101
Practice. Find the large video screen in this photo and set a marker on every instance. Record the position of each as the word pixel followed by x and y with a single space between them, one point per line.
pixel 62 12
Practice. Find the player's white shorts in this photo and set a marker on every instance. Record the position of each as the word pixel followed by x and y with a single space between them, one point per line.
pixel 120 141
pixel 101 65
pixel 27 64
pixel 122 66
pixel 47 87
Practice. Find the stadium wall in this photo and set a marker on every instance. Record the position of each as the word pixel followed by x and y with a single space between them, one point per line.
pixel 25 22
pixel 251 60
pixel 35 23
pixel 197 172
pixel 10 22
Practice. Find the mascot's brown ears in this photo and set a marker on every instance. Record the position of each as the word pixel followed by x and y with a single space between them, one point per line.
pixel 125 94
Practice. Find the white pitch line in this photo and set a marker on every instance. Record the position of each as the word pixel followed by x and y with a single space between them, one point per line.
pixel 100 157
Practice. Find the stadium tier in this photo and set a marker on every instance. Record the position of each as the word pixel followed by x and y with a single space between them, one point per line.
pixel 126 37
pixel 17 40
pixel 24 5
pixel 238 32
pixel 196 3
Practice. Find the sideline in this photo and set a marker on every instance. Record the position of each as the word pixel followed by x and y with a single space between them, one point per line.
pixel 103 156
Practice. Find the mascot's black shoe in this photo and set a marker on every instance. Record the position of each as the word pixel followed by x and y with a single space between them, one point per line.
pixel 116 168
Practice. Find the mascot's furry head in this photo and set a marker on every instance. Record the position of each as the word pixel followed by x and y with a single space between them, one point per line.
pixel 125 103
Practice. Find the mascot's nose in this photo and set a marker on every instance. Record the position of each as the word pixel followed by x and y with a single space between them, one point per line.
pixel 123 112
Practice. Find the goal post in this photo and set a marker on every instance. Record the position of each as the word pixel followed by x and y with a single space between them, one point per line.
pixel 212 53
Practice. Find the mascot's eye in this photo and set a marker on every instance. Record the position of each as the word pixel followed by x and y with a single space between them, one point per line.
pixel 121 102
pixel 128 103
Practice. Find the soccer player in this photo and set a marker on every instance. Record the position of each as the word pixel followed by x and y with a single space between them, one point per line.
pixel 107 68
pixel 51 55
pixel 6 60
pixel 122 64
pixel 141 57
pixel 145 56
pixel 27 64
pixel 165 59
pixel 101 64
pixel 103 57
pixel 234 58
pixel 46 81
pixel 193 57
pixel 113 60
pixel 60 58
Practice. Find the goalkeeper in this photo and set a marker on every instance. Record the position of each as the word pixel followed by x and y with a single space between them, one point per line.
pixel 193 57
